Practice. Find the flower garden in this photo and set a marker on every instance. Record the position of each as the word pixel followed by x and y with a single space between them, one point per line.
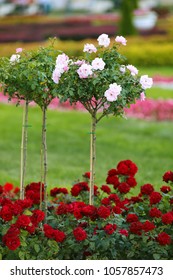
pixel 86 221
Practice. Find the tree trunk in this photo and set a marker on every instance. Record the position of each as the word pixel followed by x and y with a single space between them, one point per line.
pixel 24 149
pixel 92 158
pixel 44 159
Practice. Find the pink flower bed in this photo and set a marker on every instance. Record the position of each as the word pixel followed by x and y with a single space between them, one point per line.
pixel 149 109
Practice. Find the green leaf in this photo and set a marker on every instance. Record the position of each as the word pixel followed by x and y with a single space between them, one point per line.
pixel 36 248
pixel 21 255
pixel 156 256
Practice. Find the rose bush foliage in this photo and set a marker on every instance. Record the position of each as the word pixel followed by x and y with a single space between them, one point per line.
pixel 120 225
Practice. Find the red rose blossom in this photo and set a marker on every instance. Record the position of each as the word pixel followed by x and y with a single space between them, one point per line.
pixel 6 213
pixel 103 212
pixel 110 228
pixel 136 227
pixel 112 172
pixel 132 218
pixel 148 226
pixel 165 189
pixel 37 217
pixel 167 218
pixel 59 235
pixel 23 221
pixel 124 232
pixel 147 189
pixel 131 181
pixel 12 242
pixel 168 176
pixel 155 213
pixel 163 238
pixel 127 167
pixel 123 188
pixel 112 180
pixel 155 197
pixel 106 189
pixel 79 234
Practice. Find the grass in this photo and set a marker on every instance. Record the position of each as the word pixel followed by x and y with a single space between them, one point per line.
pixel 148 144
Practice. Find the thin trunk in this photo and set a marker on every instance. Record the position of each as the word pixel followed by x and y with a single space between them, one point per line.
pixel 24 150
pixel 44 149
pixel 41 176
pixel 92 158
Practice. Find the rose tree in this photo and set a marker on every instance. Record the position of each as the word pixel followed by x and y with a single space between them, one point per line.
pixel 102 81
pixel 28 76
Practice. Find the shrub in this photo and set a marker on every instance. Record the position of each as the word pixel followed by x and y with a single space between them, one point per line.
pixel 118 226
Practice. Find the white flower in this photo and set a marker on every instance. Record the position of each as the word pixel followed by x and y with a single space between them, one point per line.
pixel 132 69
pixel 90 48
pixel 123 69
pixel 146 82
pixel 98 64
pixel 121 40
pixel 14 58
pixel 112 92
pixel 103 40
pixel 85 71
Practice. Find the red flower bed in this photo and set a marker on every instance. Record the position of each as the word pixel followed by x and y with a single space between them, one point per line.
pixel 118 226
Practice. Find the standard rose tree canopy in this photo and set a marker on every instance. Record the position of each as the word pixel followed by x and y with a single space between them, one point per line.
pixel 102 81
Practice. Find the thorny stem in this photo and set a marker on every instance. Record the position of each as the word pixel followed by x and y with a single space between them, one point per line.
pixel 24 149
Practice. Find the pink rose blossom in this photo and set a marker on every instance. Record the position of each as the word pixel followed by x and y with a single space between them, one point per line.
pixel 85 71
pixel 90 48
pixel 132 69
pixel 98 64
pixel 62 61
pixel 146 82
pixel 56 75
pixel 121 40
pixel 103 40
pixel 142 96
pixel 112 93
pixel 19 50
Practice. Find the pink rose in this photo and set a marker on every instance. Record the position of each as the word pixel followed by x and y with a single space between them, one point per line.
pixel 90 48
pixel 132 69
pixel 84 71
pixel 98 64
pixel 112 93
pixel 19 50
pixel 103 40
pixel 146 82
pixel 121 40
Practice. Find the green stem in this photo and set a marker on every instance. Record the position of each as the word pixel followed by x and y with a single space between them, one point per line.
pixel 44 149
pixel 92 158
pixel 24 149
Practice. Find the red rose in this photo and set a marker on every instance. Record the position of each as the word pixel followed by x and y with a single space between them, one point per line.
pixel 86 175
pixel 123 188
pixel 165 189
pixel 103 212
pixel 110 228
pixel 112 180
pixel 131 181
pixel 163 238
pixel 12 242
pixel 59 235
pixel 55 191
pixel 168 176
pixel 105 201
pixel 49 232
pixel 114 197
pixel 62 209
pixel 136 228
pixel 124 232
pixel 127 167
pixel 23 221
pixel 132 218
pixel 89 210
pixel 8 187
pixel 155 197
pixel 37 217
pixel 6 213
pixel 148 226
pixel 167 218
pixel 117 210
pixel 106 189
pixel 13 230
pixel 147 189
pixel 155 213
pixel 112 172
pixel 79 234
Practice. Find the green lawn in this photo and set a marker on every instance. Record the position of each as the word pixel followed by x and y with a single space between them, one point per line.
pixel 148 144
